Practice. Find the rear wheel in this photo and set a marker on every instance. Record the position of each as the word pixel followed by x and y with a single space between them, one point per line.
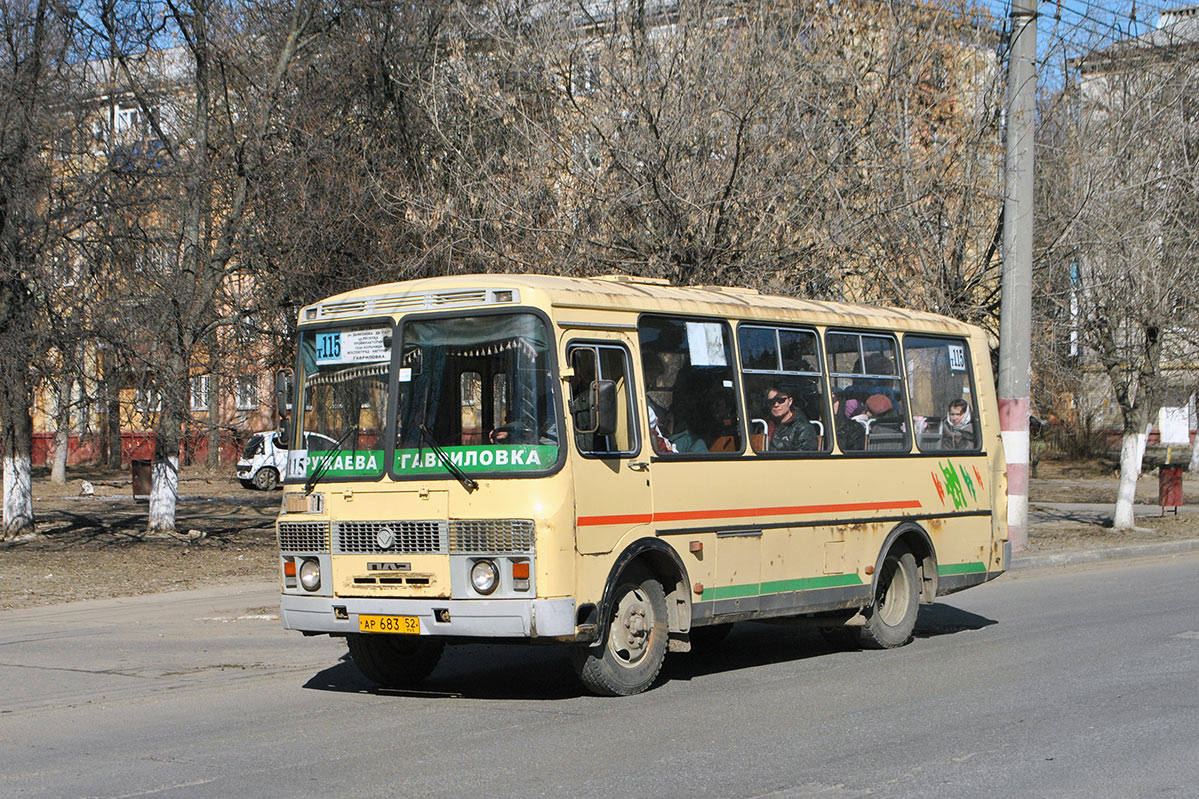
pixel 394 661
pixel 891 618
pixel 266 479
pixel 633 651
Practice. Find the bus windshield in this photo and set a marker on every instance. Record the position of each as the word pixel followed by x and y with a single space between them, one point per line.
pixel 342 390
pixel 477 392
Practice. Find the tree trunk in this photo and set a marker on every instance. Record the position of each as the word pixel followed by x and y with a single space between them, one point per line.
pixel 213 461
pixel 18 475
pixel 164 491
pixel 1130 469
pixel 168 431
pixel 62 431
pixel 111 393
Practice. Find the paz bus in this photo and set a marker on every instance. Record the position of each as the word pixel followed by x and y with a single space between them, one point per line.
pixel 626 468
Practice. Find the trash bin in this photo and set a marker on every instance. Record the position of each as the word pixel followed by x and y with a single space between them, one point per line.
pixel 1169 486
pixel 142 476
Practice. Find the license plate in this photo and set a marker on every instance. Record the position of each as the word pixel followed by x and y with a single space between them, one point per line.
pixel 405 625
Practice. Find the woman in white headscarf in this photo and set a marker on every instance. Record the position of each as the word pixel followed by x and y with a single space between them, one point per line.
pixel 958 430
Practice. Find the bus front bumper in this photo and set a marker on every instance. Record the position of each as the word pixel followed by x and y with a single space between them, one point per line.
pixel 477 618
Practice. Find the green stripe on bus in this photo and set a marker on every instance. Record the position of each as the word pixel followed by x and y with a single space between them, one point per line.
pixel 780 586
pixel 962 568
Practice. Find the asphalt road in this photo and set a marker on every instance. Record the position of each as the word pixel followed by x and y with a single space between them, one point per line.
pixel 1079 681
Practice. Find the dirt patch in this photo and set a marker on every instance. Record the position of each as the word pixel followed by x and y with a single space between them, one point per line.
pixel 94 546
pixel 1058 481
pixel 1065 535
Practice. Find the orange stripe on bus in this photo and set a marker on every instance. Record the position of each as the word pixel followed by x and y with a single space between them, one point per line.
pixel 635 518
pixel 734 513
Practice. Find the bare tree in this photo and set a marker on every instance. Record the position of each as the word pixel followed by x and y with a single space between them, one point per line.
pixel 840 151
pixel 33 56
pixel 1119 244
pixel 210 105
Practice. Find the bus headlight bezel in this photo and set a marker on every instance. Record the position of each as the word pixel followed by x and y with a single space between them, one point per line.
pixel 485 576
pixel 310 574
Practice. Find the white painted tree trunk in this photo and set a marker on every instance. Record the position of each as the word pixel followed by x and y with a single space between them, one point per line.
pixel 1193 466
pixel 164 493
pixel 1131 450
pixel 18 495
pixel 1142 443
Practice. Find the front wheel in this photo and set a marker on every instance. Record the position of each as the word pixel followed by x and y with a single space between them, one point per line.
pixel 266 479
pixel 891 618
pixel 635 646
pixel 394 661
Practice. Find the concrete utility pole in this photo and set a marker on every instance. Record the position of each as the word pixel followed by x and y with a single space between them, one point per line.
pixel 1015 323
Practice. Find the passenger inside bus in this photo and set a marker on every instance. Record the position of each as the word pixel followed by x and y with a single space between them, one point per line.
pixel 851 434
pixel 788 430
pixel 958 429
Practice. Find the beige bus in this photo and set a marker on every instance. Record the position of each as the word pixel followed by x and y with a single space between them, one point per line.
pixel 627 468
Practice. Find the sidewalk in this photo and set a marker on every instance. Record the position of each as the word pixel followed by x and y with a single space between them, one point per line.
pixel 1100 515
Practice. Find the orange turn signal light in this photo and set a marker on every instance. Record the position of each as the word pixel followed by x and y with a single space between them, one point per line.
pixel 520 571
pixel 289 568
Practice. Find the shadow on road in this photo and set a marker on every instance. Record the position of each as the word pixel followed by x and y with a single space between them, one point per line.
pixel 473 671
pixel 1082 514
pixel 516 671
pixel 940 619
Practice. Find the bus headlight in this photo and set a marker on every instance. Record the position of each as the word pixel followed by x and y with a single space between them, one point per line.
pixel 310 574
pixel 484 576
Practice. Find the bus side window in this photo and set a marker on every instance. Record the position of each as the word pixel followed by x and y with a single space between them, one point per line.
pixel 869 388
pixel 604 362
pixel 784 362
pixel 944 409
pixel 690 399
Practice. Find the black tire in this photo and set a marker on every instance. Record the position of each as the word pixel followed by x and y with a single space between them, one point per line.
pixel 246 483
pixel 891 617
pixel 266 479
pixel 631 655
pixel 394 661
pixel 711 635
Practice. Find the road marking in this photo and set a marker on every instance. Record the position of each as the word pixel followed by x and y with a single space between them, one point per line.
pixel 253 617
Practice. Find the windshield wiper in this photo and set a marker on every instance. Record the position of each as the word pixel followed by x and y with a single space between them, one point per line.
pixel 451 467
pixel 320 470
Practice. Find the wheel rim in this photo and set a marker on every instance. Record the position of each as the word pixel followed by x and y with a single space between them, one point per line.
pixel 894 592
pixel 628 639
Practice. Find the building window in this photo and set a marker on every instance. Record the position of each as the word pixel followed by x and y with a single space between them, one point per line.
pixel 247 393
pixel 199 393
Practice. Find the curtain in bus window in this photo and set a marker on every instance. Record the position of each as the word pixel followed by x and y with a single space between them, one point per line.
pixel 506 361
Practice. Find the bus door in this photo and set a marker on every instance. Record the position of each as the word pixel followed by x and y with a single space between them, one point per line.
pixel 611 476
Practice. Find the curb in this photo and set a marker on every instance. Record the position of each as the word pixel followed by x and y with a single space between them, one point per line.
pixel 1097 555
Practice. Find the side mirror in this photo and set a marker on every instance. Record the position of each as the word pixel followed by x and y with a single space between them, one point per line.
pixel 604 398
pixel 594 408
pixel 282 382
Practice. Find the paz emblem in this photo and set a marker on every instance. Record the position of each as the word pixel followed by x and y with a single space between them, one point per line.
pixel 385 538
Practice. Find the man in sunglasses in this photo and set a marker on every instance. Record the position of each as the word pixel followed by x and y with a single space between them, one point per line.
pixel 789 430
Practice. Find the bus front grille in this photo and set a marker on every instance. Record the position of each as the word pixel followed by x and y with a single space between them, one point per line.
pixel 491 535
pixel 396 536
pixel 303 536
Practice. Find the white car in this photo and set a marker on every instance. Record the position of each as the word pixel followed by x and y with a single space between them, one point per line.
pixel 265 458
